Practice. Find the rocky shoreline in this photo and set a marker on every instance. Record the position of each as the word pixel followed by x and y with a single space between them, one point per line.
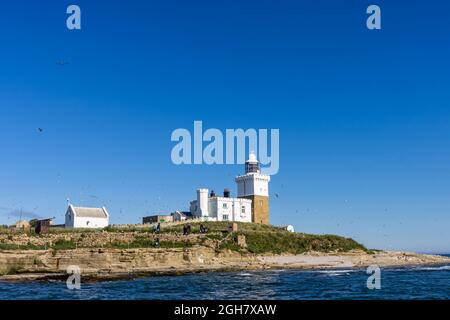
pixel 118 264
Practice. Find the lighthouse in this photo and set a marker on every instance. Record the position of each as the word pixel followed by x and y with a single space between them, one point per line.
pixel 255 186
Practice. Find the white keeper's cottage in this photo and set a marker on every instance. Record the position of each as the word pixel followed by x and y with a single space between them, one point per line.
pixel 251 204
pixel 91 218
pixel 220 208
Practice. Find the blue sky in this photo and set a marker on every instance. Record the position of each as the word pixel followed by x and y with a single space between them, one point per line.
pixel 364 116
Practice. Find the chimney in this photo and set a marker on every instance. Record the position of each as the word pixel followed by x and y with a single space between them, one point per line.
pixel 226 193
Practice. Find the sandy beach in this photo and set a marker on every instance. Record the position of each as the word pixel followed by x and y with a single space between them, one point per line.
pixel 352 260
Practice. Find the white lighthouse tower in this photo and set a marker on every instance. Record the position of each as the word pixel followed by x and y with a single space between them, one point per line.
pixel 255 186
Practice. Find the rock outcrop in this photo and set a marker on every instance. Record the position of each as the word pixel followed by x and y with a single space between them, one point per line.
pixel 119 263
pixel 92 261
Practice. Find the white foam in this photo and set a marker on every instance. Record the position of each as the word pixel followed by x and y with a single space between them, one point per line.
pixel 338 271
pixel 336 274
pixel 245 274
pixel 434 268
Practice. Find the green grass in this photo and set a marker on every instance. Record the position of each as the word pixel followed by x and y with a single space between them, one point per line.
pixel 148 243
pixel 268 239
pixel 59 245
pixel 64 245
pixel 214 236
pixel 64 230
pixel 296 243
pixel 215 227
pixel 260 239
pixel 130 229
pixel 230 245
pixel 10 246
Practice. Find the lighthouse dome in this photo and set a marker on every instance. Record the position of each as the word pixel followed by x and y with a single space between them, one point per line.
pixel 252 164
pixel 252 157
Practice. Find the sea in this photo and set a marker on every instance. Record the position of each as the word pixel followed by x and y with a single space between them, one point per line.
pixel 404 283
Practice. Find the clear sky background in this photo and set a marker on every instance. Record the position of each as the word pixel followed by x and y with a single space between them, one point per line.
pixel 364 116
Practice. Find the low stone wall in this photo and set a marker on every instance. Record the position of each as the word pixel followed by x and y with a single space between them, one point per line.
pixel 91 239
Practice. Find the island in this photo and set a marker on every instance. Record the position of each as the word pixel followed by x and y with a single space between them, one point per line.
pixel 128 251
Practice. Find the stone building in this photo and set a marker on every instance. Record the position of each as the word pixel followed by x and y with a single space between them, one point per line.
pixel 90 218
pixel 157 219
pixel 250 205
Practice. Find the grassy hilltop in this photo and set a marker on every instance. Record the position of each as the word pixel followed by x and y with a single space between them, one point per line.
pixel 268 239
pixel 259 239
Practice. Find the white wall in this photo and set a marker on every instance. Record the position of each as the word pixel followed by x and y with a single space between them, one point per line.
pixel 202 202
pixel 219 208
pixel 224 208
pixel 253 184
pixel 242 215
pixel 178 216
pixel 230 209
pixel 194 208
pixel 72 221
pixel 212 206
pixel 92 223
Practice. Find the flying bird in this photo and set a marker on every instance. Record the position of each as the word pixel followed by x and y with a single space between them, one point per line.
pixel 62 62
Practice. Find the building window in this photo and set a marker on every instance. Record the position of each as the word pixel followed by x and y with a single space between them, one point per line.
pixel 243 209
pixel 225 217
pixel 260 203
pixel 225 206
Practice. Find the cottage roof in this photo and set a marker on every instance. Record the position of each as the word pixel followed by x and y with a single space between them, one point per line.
pixel 89 212
pixel 184 213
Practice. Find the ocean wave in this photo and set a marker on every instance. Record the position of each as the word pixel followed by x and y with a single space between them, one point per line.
pixel 336 274
pixel 336 271
pixel 433 268
pixel 244 274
